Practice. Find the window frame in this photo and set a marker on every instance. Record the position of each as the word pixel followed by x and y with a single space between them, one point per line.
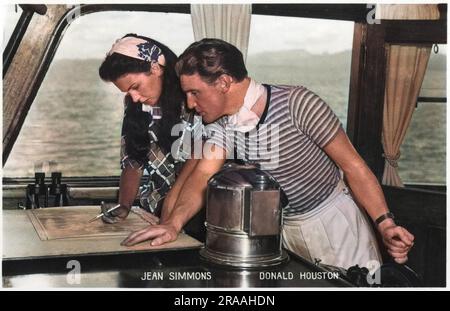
pixel 352 12
pixel 389 32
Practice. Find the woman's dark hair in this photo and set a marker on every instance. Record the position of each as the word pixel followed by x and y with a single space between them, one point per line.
pixel 210 58
pixel 136 121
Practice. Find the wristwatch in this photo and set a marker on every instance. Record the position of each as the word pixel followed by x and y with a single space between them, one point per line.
pixel 384 217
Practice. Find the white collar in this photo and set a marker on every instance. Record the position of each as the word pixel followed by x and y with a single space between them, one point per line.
pixel 155 111
pixel 245 119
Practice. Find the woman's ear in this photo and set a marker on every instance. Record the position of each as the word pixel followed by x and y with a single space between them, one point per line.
pixel 156 69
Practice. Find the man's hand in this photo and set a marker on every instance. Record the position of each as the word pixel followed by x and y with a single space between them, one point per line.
pixel 159 234
pixel 188 202
pixel 397 240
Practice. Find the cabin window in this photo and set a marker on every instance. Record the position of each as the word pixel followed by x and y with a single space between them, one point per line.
pixel 74 123
pixel 423 152
pixel 315 53
pixel 10 16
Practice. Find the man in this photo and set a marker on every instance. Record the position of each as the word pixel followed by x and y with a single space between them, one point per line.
pixel 322 220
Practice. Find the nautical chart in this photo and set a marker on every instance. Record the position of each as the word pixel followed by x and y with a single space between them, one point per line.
pixel 73 222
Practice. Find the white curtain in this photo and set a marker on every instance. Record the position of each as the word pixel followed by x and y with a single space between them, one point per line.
pixel 229 22
pixel 405 70
pixel 406 66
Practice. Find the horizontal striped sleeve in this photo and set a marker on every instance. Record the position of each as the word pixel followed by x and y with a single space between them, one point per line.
pixel 313 117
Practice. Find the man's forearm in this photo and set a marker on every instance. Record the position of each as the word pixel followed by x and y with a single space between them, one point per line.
pixel 367 191
pixel 192 194
pixel 173 194
pixel 363 183
pixel 189 202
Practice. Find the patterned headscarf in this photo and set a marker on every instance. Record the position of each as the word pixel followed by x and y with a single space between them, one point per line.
pixel 140 49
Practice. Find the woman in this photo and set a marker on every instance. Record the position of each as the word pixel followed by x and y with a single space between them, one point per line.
pixel 144 69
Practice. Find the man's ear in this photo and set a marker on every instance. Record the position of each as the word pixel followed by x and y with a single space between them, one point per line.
pixel 156 69
pixel 224 82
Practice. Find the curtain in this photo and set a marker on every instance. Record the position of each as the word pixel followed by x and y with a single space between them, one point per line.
pixel 406 66
pixel 407 11
pixel 405 70
pixel 229 22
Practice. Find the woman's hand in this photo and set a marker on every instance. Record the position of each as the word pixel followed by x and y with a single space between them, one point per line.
pixel 397 240
pixel 119 214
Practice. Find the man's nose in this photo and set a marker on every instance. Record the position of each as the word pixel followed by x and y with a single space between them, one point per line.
pixel 191 103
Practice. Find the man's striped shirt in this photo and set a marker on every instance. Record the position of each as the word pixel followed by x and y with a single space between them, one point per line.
pixel 297 125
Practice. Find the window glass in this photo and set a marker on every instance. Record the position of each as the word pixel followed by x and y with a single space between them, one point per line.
pixel 435 80
pixel 423 152
pixel 315 53
pixel 10 15
pixel 74 124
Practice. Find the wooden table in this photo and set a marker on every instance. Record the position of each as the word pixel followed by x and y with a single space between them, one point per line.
pixel 21 239
pixel 30 262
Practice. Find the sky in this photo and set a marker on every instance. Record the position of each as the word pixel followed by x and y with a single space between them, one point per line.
pixel 91 36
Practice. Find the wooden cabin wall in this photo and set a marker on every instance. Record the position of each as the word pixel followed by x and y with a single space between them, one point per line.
pixel 366 95
pixel 424 213
pixel 21 82
pixel 368 74
pixel 421 211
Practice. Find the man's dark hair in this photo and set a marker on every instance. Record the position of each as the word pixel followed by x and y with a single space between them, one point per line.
pixel 210 58
pixel 136 121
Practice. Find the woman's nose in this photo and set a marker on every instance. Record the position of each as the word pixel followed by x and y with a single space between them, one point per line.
pixel 134 96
